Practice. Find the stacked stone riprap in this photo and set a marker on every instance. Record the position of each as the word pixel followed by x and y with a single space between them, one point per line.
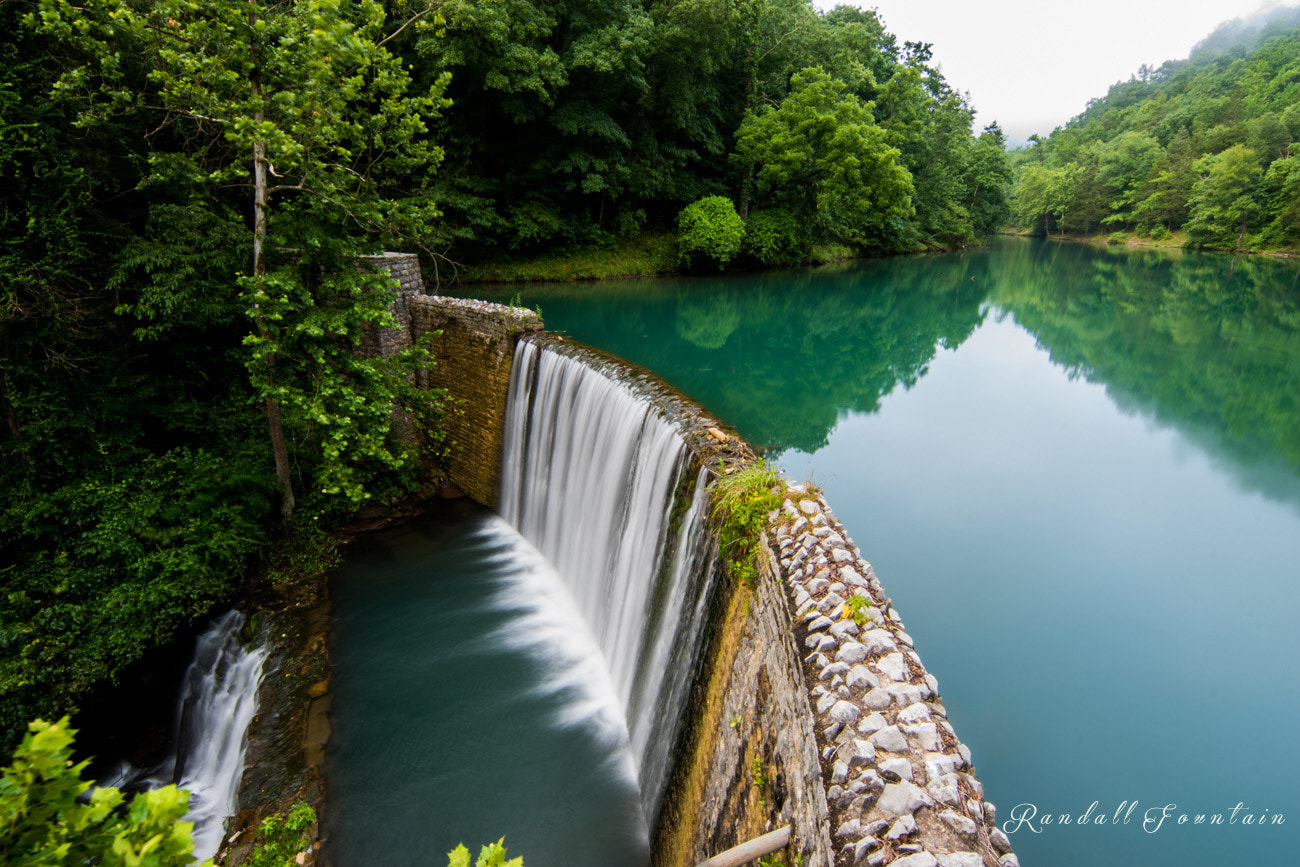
pixel 899 783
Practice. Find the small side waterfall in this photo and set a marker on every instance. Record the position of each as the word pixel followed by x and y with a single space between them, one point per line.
pixel 598 477
pixel 218 698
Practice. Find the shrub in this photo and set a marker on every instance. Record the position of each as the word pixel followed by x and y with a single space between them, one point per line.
pixel 710 231
pixel 50 815
pixel 773 238
pixel 741 503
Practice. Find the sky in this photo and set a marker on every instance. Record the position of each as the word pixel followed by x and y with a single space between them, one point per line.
pixel 1031 65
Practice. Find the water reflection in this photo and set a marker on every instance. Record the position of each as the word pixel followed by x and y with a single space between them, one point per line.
pixel 1209 344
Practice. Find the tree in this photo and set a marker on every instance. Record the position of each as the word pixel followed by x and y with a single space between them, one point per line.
pixel 302 106
pixel 50 816
pixel 988 178
pixel 821 155
pixel 1223 205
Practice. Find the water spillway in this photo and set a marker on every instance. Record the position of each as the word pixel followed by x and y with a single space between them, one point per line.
pixel 218 698
pixel 598 476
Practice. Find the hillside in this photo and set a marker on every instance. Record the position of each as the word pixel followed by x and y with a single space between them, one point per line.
pixel 1202 146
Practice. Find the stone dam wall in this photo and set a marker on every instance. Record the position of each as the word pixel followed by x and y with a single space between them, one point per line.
pixel 802 714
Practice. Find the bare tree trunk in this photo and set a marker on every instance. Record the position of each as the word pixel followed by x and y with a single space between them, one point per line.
pixel 11 415
pixel 282 476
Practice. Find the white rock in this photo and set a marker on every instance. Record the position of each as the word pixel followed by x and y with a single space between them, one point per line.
pixel 958 823
pixel 839 555
pixel 839 772
pixel 877 699
pixel 851 652
pixel 926 735
pixel 905 638
pixel 961 859
pixel 860 677
pixel 863 753
pixel 964 752
pixel 851 828
pixel 845 713
pixel 1009 860
pixel 866 847
pixel 826 702
pixel 808 507
pixel 890 739
pixel 830 603
pixel 904 693
pixel 872 723
pixel 916 712
pixel 893 666
pixel 835 668
pixel 1000 841
pixel 900 829
pixel 799 489
pixel 844 628
pixel 817 585
pixel 902 799
pixel 939 764
pixel 920 859
pixel 820 623
pixel 850 576
pixel 879 640
pixel 944 790
pixel 900 767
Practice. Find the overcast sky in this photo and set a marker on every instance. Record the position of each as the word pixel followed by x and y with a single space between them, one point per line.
pixel 1031 65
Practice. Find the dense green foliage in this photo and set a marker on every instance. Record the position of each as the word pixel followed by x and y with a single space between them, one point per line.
pixel 1204 145
pixel 50 816
pixel 574 124
pixel 741 503
pixel 709 231
pixel 184 190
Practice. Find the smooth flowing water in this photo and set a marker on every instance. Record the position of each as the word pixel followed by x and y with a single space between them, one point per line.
pixel 218 698
pixel 538 690
pixel 1077 472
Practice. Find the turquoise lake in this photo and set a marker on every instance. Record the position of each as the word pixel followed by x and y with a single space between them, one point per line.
pixel 1077 473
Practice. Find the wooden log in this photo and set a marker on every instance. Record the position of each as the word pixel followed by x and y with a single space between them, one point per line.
pixel 758 847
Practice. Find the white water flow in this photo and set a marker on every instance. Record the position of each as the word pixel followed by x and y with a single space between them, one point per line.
pixel 218 698
pixel 593 475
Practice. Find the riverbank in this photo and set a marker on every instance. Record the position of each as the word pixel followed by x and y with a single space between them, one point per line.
pixel 640 256
pixel 1176 242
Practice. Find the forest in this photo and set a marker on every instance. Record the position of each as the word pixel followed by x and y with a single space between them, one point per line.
pixel 1198 148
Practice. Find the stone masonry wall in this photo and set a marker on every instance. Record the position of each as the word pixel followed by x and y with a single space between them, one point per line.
pixel 473 346
pixel 748 763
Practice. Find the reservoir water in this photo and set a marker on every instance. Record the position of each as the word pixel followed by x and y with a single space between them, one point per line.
pixel 1077 472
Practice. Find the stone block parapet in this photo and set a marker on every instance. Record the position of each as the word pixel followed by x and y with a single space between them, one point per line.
pixel 898 783
pixel 472 344
pixel 405 268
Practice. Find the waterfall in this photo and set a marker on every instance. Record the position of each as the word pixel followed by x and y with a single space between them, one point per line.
pixel 218 698
pixel 597 475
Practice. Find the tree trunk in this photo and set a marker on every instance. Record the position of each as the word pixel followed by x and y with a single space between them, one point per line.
pixel 281 454
pixel 11 415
